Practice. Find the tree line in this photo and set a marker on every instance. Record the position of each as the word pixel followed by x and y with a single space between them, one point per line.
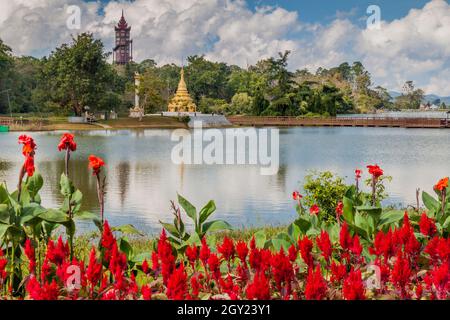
pixel 77 74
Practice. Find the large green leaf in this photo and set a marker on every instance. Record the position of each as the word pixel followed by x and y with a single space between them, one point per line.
pixel 4 196
pixel 34 184
pixel 194 239
pixel 52 215
pixel 188 208
pixel 207 211
pixel 171 229
pixel 294 231
pixel 215 225
pixel 260 238
pixel 127 229
pixel 67 187
pixel 86 215
pixel 303 224
pixel 4 214
pixel 277 244
pixel 126 248
pixel 3 229
pixel 430 203
pixel 30 212
pixel 348 209
pixel 390 217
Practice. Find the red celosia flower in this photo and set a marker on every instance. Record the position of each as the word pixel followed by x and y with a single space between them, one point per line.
pixel 214 264
pixel 296 195
pixel 107 241
pixel 259 288
pixel 44 292
pixel 242 250
pixel 375 171
pixel 358 174
pixel 177 284
pixel 145 267
pixel 338 272
pixel 155 261
pixel 94 269
pixel 57 254
pixel 195 286
pixel 95 163
pixel 383 245
pixel 353 287
pixel 166 257
pixel 324 244
pixel 226 249
pixel 401 274
pixel 192 254
pixel 146 291
pixel 345 239
pixel 356 247
pixel 441 280
pixel 30 253
pixel 282 270
pixel 441 185
pixel 292 252
pixel 427 225
pixel 305 245
pixel 3 264
pixel 67 142
pixel 316 286
pixel 204 252
pixel 314 209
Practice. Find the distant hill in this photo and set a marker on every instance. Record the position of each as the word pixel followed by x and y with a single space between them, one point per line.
pixel 428 98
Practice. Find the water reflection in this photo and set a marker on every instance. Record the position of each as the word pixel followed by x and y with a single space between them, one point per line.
pixel 142 179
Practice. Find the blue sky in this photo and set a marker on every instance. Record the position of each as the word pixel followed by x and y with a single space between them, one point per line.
pixel 411 41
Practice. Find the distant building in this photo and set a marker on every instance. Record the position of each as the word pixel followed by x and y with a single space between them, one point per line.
pixel 123 51
pixel 182 101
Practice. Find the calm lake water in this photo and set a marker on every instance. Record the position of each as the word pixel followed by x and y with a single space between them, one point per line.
pixel 142 179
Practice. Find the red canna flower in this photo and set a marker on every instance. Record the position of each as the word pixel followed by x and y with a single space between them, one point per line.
pixel 314 210
pixel 441 185
pixel 316 286
pixel 358 174
pixel 259 288
pixel 29 165
pixel 375 171
pixel 28 150
pixel 306 245
pixel 67 142
pixel 242 250
pixel 427 225
pixel 353 287
pixel 95 163
pixel 296 195
pixel 226 249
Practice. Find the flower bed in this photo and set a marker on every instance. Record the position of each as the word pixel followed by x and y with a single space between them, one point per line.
pixel 366 252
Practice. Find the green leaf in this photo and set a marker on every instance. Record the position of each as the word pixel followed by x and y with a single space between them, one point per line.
pixel 194 239
pixel 67 187
pixel 277 244
pixel 188 208
pixel 126 248
pixel 30 212
pixel 4 214
pixel 390 217
pixel 207 211
pixel 216 225
pixel 4 196
pixel 430 203
pixel 127 229
pixel 170 229
pixel 260 239
pixel 139 258
pixel 34 184
pixel 86 215
pixel 3 229
pixel 446 224
pixel 52 215
pixel 303 224
pixel 294 231
pixel 348 209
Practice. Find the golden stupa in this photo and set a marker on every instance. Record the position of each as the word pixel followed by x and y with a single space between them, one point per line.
pixel 182 101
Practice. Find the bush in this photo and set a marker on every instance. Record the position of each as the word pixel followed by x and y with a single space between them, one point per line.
pixel 324 189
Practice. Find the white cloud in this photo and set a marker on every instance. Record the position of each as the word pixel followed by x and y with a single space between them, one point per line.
pixel 413 47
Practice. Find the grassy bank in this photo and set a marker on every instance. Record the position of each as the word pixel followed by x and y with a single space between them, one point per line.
pixel 61 123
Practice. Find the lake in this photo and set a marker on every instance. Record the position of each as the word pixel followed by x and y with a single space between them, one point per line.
pixel 141 179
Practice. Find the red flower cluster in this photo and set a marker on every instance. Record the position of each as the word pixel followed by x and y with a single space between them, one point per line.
pixel 375 171
pixel 441 185
pixel 96 163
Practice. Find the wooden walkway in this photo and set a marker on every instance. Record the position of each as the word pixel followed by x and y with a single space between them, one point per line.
pixel 340 122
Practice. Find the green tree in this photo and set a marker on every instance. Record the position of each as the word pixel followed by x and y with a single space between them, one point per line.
pixel 77 74
pixel 151 91
pixel 6 64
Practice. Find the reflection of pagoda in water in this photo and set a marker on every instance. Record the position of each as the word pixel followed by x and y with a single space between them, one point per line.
pixel 182 101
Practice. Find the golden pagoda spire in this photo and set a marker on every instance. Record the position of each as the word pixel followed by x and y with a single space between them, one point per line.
pixel 182 101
